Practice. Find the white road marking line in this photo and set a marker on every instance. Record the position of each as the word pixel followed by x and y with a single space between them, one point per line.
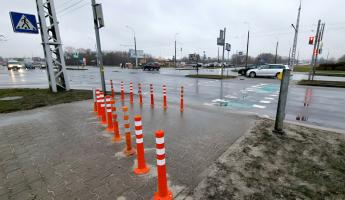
pixel 219 101
pixel 231 97
pixel 262 101
pixel 259 106
pixel 273 95
pixel 269 98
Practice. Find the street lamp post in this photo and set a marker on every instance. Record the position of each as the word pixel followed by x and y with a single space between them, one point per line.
pixel 247 50
pixel 135 46
pixel 247 45
pixel 175 51
pixel 275 58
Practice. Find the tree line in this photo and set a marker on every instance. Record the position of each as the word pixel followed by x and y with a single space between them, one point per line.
pixel 75 57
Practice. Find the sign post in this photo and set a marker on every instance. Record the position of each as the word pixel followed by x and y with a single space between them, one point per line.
pixel 221 42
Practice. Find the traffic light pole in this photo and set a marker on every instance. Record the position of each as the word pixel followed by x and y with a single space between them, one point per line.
pixel 314 50
pixel 319 39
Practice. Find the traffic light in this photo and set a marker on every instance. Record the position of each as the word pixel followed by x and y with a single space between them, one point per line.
pixel 311 40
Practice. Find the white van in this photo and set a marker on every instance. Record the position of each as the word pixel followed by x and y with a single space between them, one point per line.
pixel 14 65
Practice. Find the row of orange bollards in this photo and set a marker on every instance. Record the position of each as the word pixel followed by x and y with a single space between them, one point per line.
pixel 152 100
pixel 106 110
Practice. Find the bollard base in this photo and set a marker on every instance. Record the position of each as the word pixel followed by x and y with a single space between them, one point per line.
pixel 169 196
pixel 129 152
pixel 110 130
pixel 116 139
pixel 141 171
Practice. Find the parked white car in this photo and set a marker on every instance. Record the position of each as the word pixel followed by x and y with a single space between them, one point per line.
pixel 14 65
pixel 271 70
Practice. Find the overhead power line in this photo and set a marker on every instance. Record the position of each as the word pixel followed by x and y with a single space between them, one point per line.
pixel 70 6
pixel 76 8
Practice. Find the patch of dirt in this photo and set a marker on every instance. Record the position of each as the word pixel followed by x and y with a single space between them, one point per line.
pixel 303 163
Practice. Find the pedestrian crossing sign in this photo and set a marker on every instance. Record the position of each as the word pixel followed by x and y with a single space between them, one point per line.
pixel 24 23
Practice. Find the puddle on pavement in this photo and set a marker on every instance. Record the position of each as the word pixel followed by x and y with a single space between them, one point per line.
pixel 264 89
pixel 232 104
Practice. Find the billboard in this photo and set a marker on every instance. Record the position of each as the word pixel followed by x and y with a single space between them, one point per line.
pixel 140 53
pixel 194 57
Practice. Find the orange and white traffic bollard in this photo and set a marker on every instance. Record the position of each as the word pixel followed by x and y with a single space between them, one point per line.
pixel 129 150
pixel 109 114
pixel 165 97
pixel 122 92
pixel 95 96
pixel 100 98
pixel 163 190
pixel 112 89
pixel 104 109
pixel 116 137
pixel 152 97
pixel 131 92
pixel 140 95
pixel 142 168
pixel 181 101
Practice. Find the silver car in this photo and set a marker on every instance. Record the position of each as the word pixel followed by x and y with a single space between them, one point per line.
pixel 271 70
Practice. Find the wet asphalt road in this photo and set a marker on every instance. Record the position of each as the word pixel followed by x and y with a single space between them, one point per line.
pixel 312 105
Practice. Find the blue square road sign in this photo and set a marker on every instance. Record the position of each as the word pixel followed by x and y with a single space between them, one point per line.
pixel 24 23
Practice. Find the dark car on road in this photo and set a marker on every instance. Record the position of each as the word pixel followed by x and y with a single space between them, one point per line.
pixel 243 71
pixel 151 66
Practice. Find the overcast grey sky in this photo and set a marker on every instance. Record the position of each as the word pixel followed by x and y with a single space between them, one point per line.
pixel 197 22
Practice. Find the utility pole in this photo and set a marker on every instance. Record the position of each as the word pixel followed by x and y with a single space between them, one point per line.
pixel 52 46
pixel 135 51
pixel 275 58
pixel 314 49
pixel 181 54
pixel 135 46
pixel 175 50
pixel 289 56
pixel 175 55
pixel 247 50
pixel 223 53
pixel 99 23
pixel 294 46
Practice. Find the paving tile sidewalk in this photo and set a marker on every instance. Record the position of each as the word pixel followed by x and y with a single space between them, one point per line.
pixel 62 152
